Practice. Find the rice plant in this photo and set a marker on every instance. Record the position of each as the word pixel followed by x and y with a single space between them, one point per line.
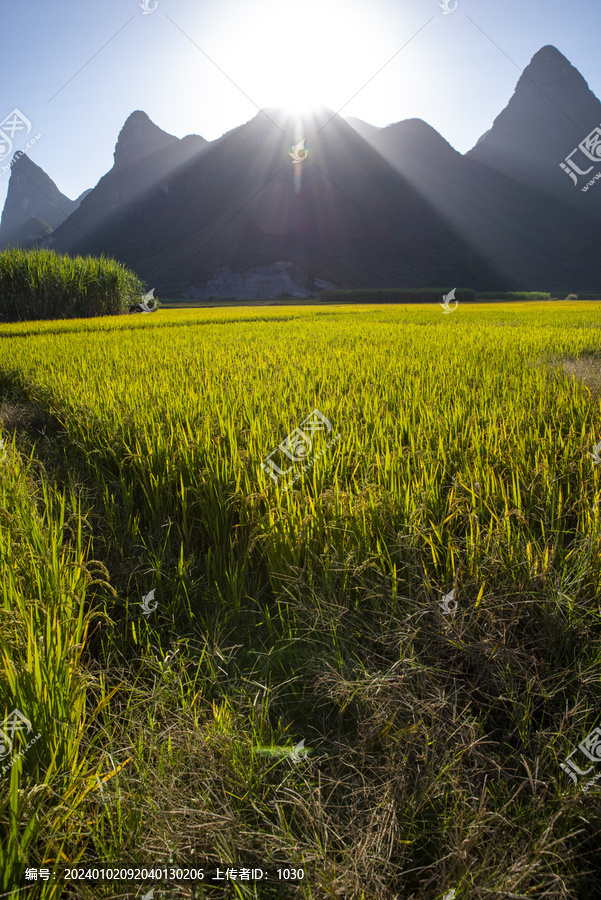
pixel 305 613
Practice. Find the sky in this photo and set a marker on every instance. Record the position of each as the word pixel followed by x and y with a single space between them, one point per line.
pixel 76 69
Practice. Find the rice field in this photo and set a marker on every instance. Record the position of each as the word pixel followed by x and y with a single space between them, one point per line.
pixel 231 667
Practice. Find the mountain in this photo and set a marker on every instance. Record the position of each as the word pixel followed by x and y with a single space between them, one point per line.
pixel 550 113
pixel 145 158
pixel 421 155
pixel 508 196
pixel 357 206
pixel 139 138
pixel 30 234
pixel 342 216
pixel 366 130
pixel 32 194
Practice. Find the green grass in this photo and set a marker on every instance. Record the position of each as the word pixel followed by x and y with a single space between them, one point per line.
pixel 134 464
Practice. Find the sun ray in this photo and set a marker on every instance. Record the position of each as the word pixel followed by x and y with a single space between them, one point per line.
pixel 300 56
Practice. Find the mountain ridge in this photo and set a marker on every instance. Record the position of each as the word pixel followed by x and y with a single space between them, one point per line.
pixel 366 206
pixel 32 194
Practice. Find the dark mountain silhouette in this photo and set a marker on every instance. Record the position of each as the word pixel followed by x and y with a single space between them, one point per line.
pixel 551 111
pixel 508 195
pixel 31 193
pixel 366 130
pixel 342 215
pixel 145 159
pixel 31 234
pixel 139 138
pixel 143 155
pixel 377 207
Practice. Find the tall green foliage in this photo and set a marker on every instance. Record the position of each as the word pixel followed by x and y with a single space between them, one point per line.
pixel 523 296
pixel 394 295
pixel 40 284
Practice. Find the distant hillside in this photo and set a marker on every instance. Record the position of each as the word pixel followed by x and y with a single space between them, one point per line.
pixel 241 204
pixel 145 159
pixel 32 195
pixel 551 111
pixel 366 130
pixel 366 206
pixel 31 233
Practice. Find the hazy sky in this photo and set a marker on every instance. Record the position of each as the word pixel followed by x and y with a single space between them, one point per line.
pixel 77 68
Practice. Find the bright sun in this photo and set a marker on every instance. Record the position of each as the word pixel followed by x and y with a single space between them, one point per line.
pixel 299 55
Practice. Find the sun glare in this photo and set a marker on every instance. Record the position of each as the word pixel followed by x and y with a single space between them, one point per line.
pixel 302 55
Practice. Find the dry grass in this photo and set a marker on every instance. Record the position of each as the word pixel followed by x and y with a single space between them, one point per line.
pixel 587 369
